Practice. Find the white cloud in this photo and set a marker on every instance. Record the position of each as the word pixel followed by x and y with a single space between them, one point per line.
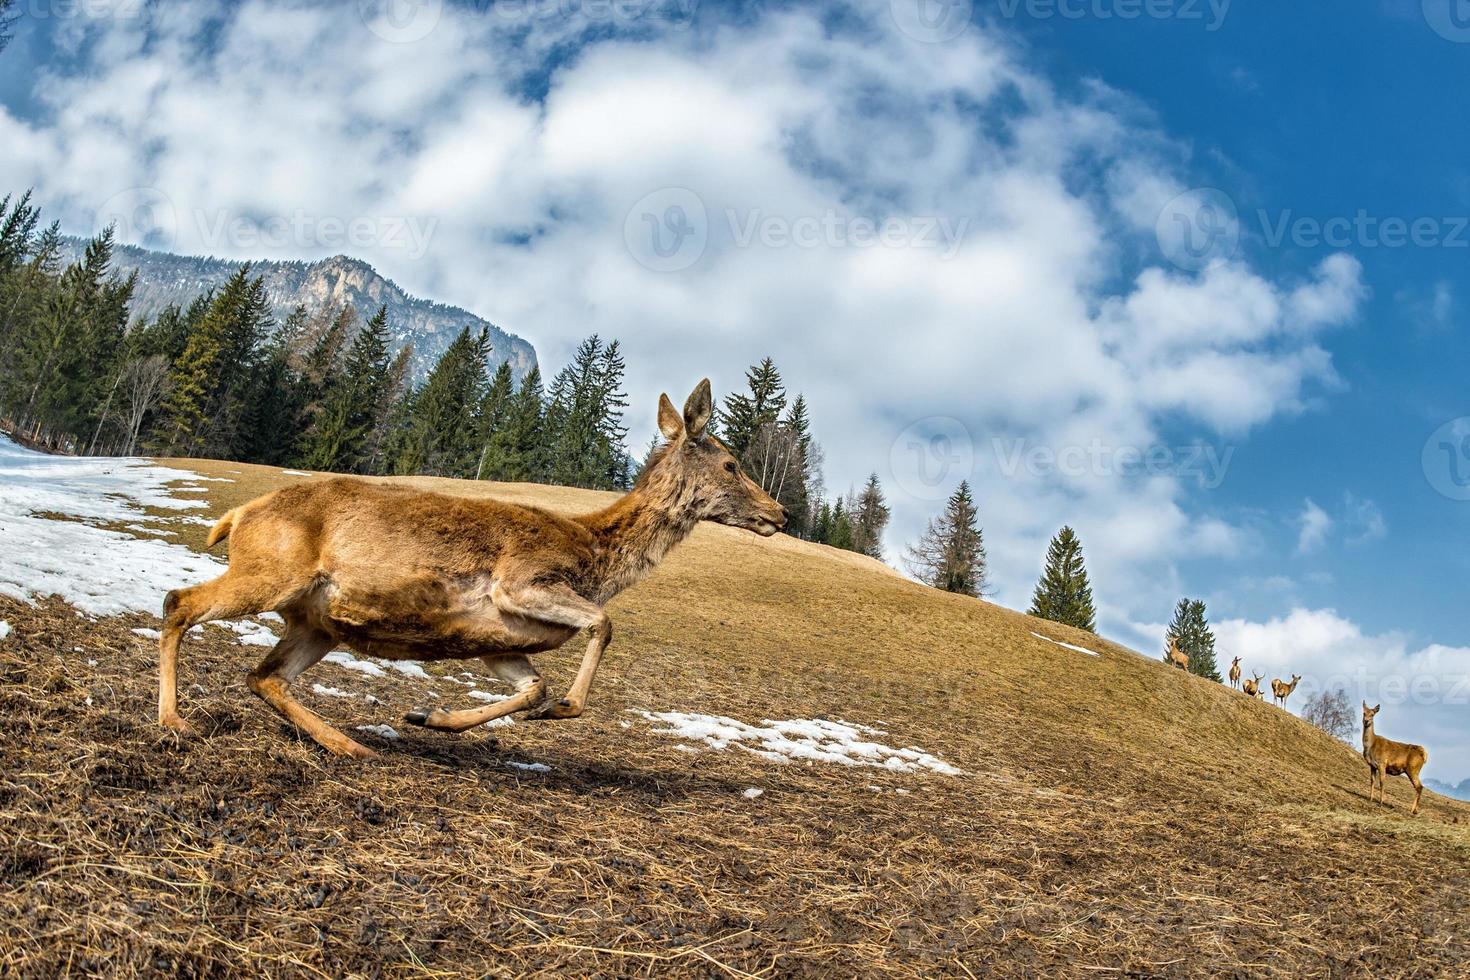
pixel 1022 332
pixel 1315 523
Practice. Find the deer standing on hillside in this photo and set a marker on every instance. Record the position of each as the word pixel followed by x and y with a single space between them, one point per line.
pixel 1384 755
pixel 412 575
pixel 1252 687
pixel 1176 656
pixel 1235 673
pixel 1281 690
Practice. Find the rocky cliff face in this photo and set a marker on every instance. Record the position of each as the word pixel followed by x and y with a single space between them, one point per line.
pixel 165 278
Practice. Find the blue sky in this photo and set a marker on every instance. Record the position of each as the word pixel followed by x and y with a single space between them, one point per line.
pixel 706 182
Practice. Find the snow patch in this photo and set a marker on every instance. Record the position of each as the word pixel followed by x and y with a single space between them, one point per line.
pixel 294 473
pixel 148 633
pixel 331 692
pixel 4 629
pixel 1090 653
pixel 344 659
pixel 383 731
pixel 529 766
pixel 798 739
pixel 252 634
pixel 408 668
pixel 752 793
pixel 101 572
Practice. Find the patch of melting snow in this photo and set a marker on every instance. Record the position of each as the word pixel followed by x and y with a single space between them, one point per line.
pixel 1090 653
pixel 294 473
pixel 408 668
pixel 383 731
pixel 148 633
pixel 344 659
pixel 529 766
pixel 798 739
pixel 752 793
pixel 252 634
pixel 101 572
pixel 331 692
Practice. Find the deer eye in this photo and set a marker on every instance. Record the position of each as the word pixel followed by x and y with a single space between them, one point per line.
pixel 730 466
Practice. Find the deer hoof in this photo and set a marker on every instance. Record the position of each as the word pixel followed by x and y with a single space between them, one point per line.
pixel 418 716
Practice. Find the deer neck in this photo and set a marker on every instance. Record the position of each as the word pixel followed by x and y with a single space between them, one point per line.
pixel 633 535
pixel 1368 736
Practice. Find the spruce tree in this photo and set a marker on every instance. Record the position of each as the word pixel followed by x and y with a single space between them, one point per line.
pixel 839 533
pixel 583 418
pixel 342 428
pixel 870 517
pixel 490 423
pixel 1063 595
pixel 744 415
pixel 439 438
pixel 1191 630
pixel 950 554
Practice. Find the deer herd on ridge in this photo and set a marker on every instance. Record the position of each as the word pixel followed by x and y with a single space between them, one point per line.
pixel 1383 755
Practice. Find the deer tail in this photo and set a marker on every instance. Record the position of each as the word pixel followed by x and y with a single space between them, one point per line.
pixel 221 530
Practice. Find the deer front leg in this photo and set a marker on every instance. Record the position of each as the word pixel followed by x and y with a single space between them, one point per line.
pixel 517 670
pixel 559 604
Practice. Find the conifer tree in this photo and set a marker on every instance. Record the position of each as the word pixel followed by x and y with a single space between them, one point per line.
pixel 523 458
pixel 341 430
pixel 439 438
pixel 583 418
pixel 392 400
pixel 839 532
pixel 870 515
pixel 490 423
pixel 744 414
pixel 950 554
pixel 1064 594
pixel 274 409
pixel 1191 630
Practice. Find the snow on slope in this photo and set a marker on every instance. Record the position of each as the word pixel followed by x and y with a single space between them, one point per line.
pixel 100 571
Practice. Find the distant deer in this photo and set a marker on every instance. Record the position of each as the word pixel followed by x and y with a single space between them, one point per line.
pixel 1281 690
pixel 1384 755
pixel 1252 687
pixel 407 574
pixel 1235 673
pixel 1176 656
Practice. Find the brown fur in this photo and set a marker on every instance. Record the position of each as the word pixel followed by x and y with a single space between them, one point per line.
pixel 1252 686
pixel 1235 673
pixel 1384 755
pixel 1281 690
pixel 405 574
pixel 1176 656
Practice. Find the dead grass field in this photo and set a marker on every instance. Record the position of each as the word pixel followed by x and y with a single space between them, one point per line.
pixel 1115 816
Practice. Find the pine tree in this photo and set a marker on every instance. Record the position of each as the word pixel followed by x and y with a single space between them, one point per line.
pixel 839 532
pixel 1063 595
pixel 524 457
pixel 274 414
pixel 744 415
pixel 583 419
pixel 490 423
pixel 390 410
pixel 340 433
pixel 950 554
pixel 439 438
pixel 870 518
pixel 1191 630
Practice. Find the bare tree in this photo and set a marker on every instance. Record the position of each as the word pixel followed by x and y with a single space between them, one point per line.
pixel 1332 712
pixel 144 382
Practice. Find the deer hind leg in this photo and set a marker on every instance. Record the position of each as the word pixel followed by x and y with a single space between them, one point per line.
pixel 515 669
pixel 228 597
pixel 301 647
pixel 575 701
pixel 1418 790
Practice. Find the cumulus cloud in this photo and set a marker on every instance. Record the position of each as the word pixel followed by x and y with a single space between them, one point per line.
pixel 1314 524
pixel 913 230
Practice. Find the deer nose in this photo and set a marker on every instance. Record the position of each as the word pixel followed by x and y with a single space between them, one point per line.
pixel 784 514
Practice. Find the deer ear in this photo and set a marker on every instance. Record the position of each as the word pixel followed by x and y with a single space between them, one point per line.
pixel 1377 707
pixel 697 410
pixel 669 422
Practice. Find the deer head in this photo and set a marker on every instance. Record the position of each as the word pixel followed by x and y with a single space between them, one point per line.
pixel 1235 662
pixel 697 476
pixel 1368 714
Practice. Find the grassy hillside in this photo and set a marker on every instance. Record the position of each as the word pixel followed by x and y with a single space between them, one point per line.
pixel 1113 815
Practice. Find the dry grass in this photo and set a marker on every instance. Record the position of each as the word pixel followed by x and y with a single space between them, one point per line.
pixel 1116 816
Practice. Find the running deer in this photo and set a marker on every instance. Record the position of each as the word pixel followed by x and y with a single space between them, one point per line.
pixel 1384 755
pixel 1281 690
pixel 1252 687
pixel 1176 656
pixel 404 574
pixel 1235 673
